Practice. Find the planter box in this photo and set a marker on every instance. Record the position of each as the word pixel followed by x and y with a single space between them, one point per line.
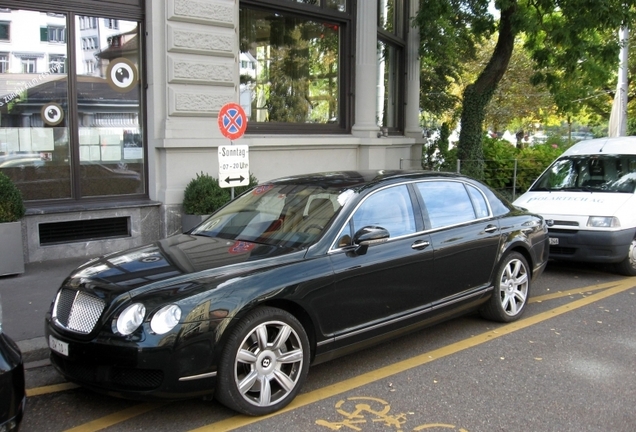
pixel 11 249
pixel 189 221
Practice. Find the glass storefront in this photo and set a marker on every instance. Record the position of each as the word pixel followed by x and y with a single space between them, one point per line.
pixel 70 105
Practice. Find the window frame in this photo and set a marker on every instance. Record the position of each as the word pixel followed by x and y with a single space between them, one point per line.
pixel 346 64
pixel 397 40
pixel 125 10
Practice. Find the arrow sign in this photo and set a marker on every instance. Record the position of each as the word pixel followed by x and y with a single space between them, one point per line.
pixel 230 180
pixel 234 165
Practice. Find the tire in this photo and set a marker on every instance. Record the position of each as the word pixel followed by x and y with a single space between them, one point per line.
pixel 627 267
pixel 264 362
pixel 512 285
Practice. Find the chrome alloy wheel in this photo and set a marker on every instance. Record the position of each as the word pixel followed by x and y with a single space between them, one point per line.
pixel 513 287
pixel 269 363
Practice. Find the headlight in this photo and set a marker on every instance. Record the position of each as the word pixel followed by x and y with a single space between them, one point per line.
pixel 130 319
pixel 603 222
pixel 165 319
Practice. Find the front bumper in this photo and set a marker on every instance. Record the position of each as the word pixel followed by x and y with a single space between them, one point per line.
pixel 147 370
pixel 591 246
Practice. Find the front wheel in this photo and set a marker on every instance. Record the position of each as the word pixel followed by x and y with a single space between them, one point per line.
pixel 627 267
pixel 264 362
pixel 512 285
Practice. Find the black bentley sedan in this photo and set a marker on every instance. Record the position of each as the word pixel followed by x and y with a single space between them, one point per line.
pixel 294 272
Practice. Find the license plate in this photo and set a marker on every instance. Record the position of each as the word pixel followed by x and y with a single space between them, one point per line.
pixel 58 346
pixel 554 241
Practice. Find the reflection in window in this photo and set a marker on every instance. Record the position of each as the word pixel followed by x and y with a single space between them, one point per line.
pixel 111 152
pixel 57 64
pixel 5 31
pixel 391 59
pixel 29 65
pixel 34 136
pixel 390 209
pixel 290 68
pixel 447 203
pixel 389 95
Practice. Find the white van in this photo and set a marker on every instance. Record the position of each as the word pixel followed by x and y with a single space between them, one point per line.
pixel 587 198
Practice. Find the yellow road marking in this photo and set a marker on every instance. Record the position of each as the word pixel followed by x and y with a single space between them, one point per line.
pixel 575 291
pixel 611 288
pixel 384 372
pixel 117 417
pixel 39 391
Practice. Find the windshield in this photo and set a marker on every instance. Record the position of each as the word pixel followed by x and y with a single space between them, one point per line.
pixel 280 215
pixel 590 173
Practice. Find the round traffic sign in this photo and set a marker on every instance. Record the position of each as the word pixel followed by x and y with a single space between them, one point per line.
pixel 232 121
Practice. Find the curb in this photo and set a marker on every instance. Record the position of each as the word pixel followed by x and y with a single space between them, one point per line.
pixel 33 349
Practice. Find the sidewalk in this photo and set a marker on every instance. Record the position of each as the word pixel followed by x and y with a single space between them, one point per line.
pixel 25 300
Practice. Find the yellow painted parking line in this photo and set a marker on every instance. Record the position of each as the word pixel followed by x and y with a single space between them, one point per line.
pixel 384 372
pixel 118 417
pixel 39 391
pixel 575 291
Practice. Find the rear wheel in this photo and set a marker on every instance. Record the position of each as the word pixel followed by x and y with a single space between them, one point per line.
pixel 627 267
pixel 512 286
pixel 264 362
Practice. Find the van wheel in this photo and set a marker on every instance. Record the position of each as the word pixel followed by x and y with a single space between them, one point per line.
pixel 627 267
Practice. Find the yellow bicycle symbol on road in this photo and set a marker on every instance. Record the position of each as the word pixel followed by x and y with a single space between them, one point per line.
pixel 361 411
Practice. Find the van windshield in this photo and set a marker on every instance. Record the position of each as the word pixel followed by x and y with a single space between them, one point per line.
pixel 590 173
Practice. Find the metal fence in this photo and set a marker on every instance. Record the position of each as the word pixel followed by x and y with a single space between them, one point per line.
pixel 506 176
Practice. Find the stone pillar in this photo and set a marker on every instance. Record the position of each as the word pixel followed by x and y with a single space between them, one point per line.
pixel 366 75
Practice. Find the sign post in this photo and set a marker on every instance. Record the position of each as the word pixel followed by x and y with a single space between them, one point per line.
pixel 233 159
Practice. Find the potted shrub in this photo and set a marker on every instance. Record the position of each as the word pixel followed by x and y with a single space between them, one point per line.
pixel 11 211
pixel 202 196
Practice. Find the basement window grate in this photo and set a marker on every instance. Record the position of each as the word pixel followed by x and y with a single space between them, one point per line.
pixel 84 230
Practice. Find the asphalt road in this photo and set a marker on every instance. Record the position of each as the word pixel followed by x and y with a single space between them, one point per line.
pixel 568 365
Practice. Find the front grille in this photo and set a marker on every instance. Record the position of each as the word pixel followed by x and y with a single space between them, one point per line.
pixel 77 311
pixel 112 377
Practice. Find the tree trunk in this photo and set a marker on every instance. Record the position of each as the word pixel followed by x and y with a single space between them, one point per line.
pixel 477 95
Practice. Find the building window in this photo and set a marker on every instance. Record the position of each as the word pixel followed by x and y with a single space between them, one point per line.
pixel 111 24
pixel 5 31
pixel 90 43
pixel 29 65
pixel 67 143
pixel 56 34
pixel 57 64
pixel 4 63
pixel 299 80
pixel 392 27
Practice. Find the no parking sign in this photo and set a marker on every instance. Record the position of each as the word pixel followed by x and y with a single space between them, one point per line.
pixel 232 121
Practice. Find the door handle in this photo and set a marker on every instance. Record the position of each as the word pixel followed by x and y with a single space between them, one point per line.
pixel 420 244
pixel 491 229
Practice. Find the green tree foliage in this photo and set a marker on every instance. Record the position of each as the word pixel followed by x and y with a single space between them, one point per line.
pixel 567 40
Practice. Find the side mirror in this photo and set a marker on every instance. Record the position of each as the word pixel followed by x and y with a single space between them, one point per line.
pixel 367 236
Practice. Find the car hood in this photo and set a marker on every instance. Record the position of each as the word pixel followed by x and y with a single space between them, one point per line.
pixel 177 260
pixel 573 203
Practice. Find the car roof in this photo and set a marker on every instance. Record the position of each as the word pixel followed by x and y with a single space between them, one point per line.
pixel 340 180
pixel 614 145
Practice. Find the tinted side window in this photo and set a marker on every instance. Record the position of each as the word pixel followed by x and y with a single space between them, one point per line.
pixel 481 208
pixel 447 203
pixel 389 208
